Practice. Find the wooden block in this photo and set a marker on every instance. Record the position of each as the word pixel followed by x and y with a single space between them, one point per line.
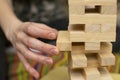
pixel 78 58
pixel 105 75
pixel 92 46
pixel 106 59
pixel 76 36
pixel 109 10
pixel 78 61
pixel 93 2
pixel 92 19
pixel 92 74
pixel 105 28
pixel 102 73
pixel 76 9
pixel 63 41
pixel 106 47
pixel 92 60
pixel 76 74
pixel 94 28
pixel 78 48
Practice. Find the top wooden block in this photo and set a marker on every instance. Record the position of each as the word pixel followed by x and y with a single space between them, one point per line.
pixel 94 2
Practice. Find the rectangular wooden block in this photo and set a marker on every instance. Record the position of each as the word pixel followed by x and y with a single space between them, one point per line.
pixel 109 9
pixel 76 36
pixel 78 48
pixel 76 9
pixel 63 41
pixel 78 74
pixel 106 47
pixel 106 59
pixel 105 28
pixel 105 75
pixel 92 46
pixel 94 2
pixel 92 74
pixel 78 58
pixel 92 60
pixel 92 19
pixel 78 61
pixel 94 28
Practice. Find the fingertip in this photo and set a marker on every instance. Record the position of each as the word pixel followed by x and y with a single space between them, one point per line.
pixel 54 51
pixel 52 35
pixel 49 61
pixel 37 75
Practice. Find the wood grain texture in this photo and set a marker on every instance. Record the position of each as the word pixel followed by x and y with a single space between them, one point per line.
pixel 92 19
pixel 106 59
pixel 92 46
pixel 93 28
pixel 77 36
pixel 102 73
pixel 63 41
pixel 92 73
pixel 76 9
pixel 93 2
pixel 109 10
pixel 106 28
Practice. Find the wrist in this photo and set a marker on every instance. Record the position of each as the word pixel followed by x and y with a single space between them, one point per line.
pixel 9 28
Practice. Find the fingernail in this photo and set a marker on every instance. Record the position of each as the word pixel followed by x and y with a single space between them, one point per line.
pixel 48 61
pixel 52 35
pixel 36 76
pixel 54 51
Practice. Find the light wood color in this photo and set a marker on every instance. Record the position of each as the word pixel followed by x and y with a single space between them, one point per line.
pixel 106 59
pixel 92 19
pixel 78 61
pixel 93 28
pixel 92 60
pixel 78 74
pixel 92 73
pixel 78 58
pixel 104 74
pixel 76 36
pixel 109 10
pixel 77 9
pixel 107 28
pixel 63 41
pixel 93 2
pixel 92 46
pixel 106 47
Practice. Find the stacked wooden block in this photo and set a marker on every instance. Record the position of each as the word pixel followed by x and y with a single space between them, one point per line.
pixel 92 26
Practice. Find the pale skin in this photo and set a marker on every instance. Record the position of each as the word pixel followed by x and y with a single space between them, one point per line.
pixel 23 36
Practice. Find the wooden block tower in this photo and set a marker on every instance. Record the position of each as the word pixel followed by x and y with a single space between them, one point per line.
pixel 92 26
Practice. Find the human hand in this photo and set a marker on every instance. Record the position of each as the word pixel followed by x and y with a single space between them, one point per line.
pixel 23 37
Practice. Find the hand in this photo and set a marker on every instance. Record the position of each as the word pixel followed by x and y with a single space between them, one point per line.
pixel 23 37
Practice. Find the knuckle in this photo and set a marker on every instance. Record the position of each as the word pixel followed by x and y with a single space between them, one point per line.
pixel 28 26
pixel 19 35
pixel 26 54
pixel 43 46
pixel 28 42
pixel 28 68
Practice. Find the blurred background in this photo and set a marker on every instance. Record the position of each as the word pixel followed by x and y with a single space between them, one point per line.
pixel 53 13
